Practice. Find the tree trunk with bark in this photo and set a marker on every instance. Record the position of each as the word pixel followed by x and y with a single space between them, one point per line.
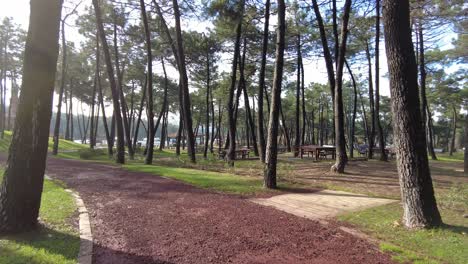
pixel 383 154
pixel 340 141
pixel 304 114
pixel 184 85
pixel 417 192
pixel 249 118
pixel 297 126
pixel 326 49
pixel 110 147
pixel 115 94
pixel 272 142
pixel 465 144
pixel 21 188
pixel 58 114
pixel 149 87
pixel 261 86
pixel 123 101
pixel 230 155
pixel 353 119
pixel 370 151
pixel 207 114
pixel 140 113
pixel 430 134
pixel 454 132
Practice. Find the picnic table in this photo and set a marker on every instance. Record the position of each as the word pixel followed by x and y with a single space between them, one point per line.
pixel 282 149
pixel 317 151
pixel 243 153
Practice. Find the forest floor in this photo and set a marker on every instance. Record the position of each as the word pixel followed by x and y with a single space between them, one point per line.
pixel 142 218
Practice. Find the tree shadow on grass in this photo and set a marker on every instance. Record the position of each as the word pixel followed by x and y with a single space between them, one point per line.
pixel 46 245
pixel 455 228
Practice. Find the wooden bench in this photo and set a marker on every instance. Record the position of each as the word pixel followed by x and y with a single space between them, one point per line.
pixel 239 154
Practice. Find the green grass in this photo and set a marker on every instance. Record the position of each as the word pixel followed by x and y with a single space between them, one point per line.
pixel 456 157
pixel 447 244
pixel 64 145
pixel 54 242
pixel 204 179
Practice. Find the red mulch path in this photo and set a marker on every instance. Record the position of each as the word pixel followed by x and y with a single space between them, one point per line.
pixel 142 218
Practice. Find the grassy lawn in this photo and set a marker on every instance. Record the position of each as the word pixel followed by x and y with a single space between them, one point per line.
pixel 457 156
pixel 64 145
pixel 56 241
pixel 205 179
pixel 222 182
pixel 447 244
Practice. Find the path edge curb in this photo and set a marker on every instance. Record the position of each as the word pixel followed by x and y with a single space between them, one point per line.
pixel 85 255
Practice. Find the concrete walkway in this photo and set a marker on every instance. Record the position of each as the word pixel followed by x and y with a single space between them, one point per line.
pixel 321 205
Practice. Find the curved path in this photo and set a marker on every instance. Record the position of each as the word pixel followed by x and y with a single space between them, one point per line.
pixel 142 218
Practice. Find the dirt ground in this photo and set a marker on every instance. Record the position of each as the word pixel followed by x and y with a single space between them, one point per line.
pixel 141 218
pixel 371 177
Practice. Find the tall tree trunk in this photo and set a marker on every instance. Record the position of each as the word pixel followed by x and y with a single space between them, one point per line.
pixel 92 142
pixel 335 32
pixel 419 204
pixel 123 101
pixel 208 91
pixel 370 152
pixel 353 119
pixel 131 116
pixel 115 95
pixel 272 142
pixel 230 156
pixel 110 146
pixel 184 85
pixel 213 136
pixel 248 113
pixel 285 128
pixel 58 115
pixel 21 189
pixel 326 50
pixel 383 154
pixel 465 145
pixel 3 78
pixel 67 117
pixel 364 118
pixel 304 114
pixel 454 131
pixel 422 91
pixel 261 86
pixel 321 123
pixel 164 105
pixel 340 141
pixel 96 127
pixel 72 131
pixel 179 136
pixel 140 113
pixel 149 87
pixel 430 134
pixel 312 126
pixel 92 139
pixel 297 126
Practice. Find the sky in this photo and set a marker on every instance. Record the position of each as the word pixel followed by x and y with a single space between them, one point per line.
pixel 314 67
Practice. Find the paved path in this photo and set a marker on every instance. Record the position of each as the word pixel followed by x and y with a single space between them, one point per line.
pixel 321 204
pixel 142 218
